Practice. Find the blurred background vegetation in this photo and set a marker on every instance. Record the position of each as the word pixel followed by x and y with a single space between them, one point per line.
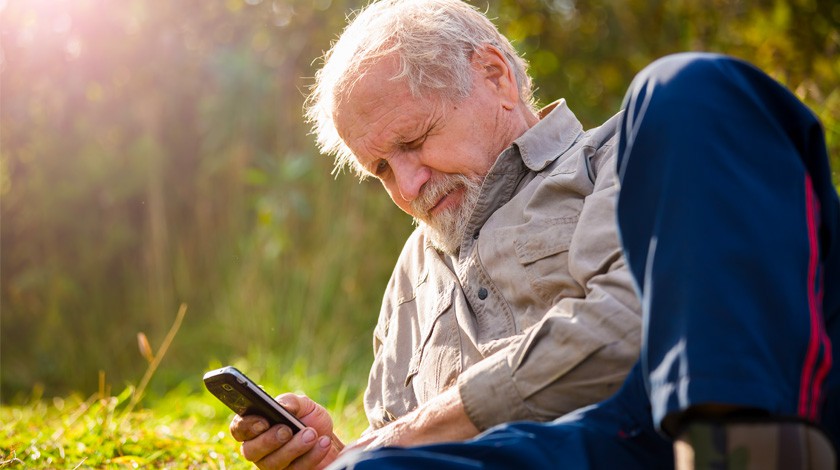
pixel 153 153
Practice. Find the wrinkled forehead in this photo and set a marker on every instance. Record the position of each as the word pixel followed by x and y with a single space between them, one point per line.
pixel 377 99
pixel 366 83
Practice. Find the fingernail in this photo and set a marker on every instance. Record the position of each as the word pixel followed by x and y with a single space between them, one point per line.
pixel 324 442
pixel 284 434
pixel 260 427
pixel 308 436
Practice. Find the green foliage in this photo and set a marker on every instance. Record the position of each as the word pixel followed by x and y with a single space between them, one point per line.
pixel 154 153
pixel 589 51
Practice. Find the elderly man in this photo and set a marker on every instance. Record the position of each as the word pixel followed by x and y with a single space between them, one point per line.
pixel 511 300
pixel 731 228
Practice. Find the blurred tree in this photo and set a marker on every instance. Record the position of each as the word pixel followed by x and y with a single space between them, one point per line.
pixel 153 153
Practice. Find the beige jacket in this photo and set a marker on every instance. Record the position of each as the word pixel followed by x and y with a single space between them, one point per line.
pixel 537 316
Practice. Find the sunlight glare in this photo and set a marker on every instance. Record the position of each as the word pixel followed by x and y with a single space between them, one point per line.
pixel 283 13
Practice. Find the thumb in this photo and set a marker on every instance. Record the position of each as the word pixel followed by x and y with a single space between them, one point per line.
pixel 308 411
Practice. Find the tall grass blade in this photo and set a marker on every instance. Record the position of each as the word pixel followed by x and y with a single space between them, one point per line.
pixel 144 382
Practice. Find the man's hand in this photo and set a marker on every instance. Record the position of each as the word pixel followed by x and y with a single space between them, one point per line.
pixel 274 448
pixel 441 419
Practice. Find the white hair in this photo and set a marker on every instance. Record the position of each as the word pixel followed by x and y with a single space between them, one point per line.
pixel 434 41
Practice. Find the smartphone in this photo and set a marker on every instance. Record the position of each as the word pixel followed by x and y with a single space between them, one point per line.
pixel 245 397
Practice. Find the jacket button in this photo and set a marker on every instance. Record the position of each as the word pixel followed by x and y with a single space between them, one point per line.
pixel 482 293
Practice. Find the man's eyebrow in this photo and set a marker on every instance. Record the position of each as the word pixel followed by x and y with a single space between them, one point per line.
pixel 419 130
pixel 409 133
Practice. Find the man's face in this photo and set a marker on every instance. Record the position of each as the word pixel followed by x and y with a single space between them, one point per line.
pixel 431 156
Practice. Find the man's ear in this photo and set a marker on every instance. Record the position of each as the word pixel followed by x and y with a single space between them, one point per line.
pixel 492 68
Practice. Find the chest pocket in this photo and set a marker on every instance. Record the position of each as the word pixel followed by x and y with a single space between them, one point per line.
pixel 436 360
pixel 544 255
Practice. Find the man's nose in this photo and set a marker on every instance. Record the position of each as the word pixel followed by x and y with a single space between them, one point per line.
pixel 410 175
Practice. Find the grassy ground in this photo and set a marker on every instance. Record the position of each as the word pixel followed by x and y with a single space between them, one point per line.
pixel 185 427
pixel 182 429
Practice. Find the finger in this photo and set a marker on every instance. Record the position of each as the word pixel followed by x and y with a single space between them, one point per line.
pixel 293 450
pixel 307 411
pixel 292 402
pixel 245 428
pixel 266 443
pixel 321 455
pixel 311 412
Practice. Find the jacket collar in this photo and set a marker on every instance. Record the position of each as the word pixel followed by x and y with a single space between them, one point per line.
pixel 556 132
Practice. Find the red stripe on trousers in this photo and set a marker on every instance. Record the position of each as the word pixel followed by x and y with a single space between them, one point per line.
pixel 809 390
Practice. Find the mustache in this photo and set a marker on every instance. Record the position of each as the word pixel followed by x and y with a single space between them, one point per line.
pixel 434 190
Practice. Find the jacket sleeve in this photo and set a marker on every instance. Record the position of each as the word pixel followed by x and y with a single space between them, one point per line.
pixel 582 349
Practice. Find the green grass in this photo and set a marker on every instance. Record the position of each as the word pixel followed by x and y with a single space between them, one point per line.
pixel 182 429
pixel 186 427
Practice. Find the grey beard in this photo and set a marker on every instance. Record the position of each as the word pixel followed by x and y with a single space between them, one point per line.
pixel 447 229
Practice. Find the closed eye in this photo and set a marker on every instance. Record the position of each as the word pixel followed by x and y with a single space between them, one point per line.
pixel 414 144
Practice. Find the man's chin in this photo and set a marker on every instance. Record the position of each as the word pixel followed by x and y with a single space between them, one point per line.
pixel 446 242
